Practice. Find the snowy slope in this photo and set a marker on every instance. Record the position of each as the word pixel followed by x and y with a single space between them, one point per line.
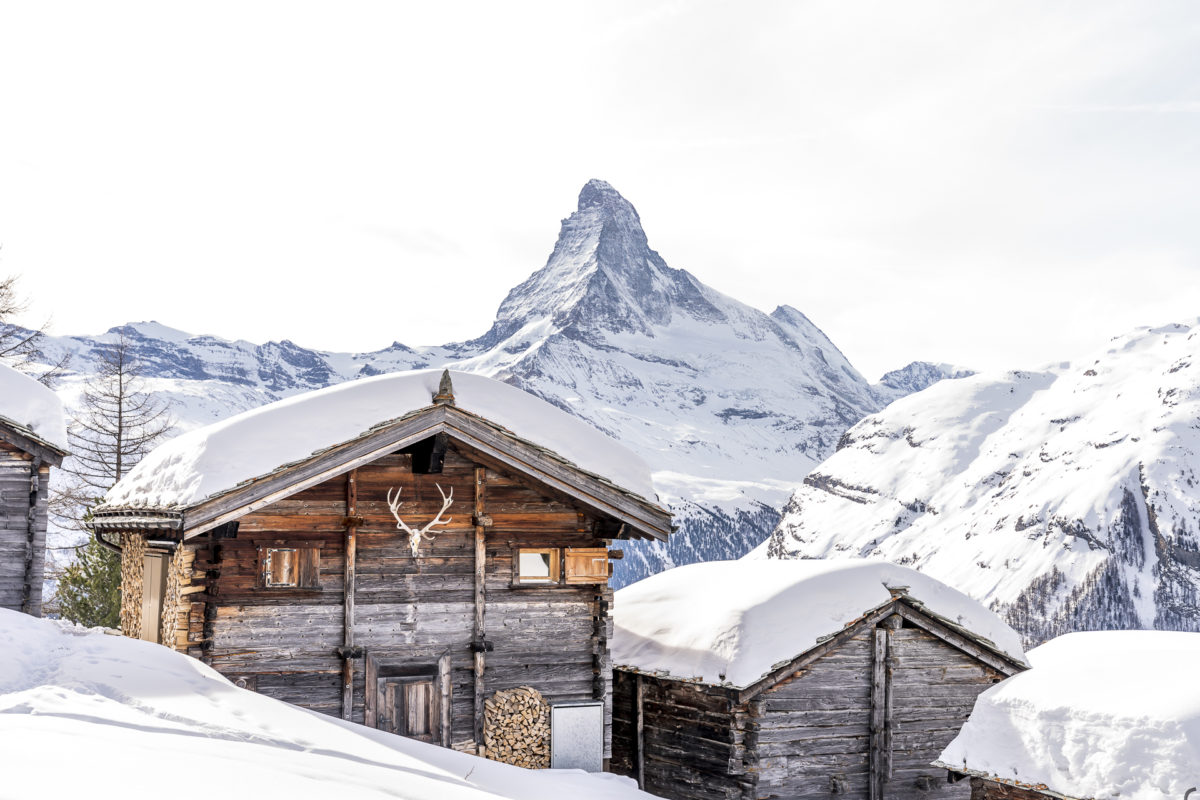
pixel 1062 726
pixel 85 714
pixel 768 612
pixel 1066 499
pixel 730 406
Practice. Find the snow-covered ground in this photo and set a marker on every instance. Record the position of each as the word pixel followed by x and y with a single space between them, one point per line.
pixel 732 622
pixel 1102 714
pixel 88 714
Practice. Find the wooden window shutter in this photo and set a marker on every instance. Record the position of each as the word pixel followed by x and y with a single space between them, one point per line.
pixel 295 567
pixel 586 564
pixel 308 571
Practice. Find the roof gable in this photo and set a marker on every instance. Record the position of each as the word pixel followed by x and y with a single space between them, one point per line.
pixel 542 465
pixel 734 623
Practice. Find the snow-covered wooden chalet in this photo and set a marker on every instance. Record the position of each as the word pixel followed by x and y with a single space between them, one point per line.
pixel 1103 715
pixel 765 679
pixel 394 550
pixel 33 438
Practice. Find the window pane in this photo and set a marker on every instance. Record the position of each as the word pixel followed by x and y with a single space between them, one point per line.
pixel 535 565
pixel 281 567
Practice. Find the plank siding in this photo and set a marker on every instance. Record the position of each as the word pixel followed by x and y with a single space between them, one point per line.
pixel 809 735
pixel 816 726
pixel 934 687
pixel 22 529
pixel 408 613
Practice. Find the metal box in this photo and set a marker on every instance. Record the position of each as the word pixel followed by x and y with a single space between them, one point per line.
pixel 577 736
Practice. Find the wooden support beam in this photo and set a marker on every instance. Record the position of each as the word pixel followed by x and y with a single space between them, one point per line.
pixel 352 522
pixel 480 600
pixel 879 688
pixel 445 707
pixel 31 543
pixel 640 740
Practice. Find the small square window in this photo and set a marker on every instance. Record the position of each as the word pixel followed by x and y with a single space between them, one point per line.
pixel 290 567
pixel 540 565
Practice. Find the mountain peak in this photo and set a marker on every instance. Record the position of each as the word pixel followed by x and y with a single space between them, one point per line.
pixel 601 193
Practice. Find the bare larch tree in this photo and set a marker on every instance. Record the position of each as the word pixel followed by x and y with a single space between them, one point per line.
pixel 20 346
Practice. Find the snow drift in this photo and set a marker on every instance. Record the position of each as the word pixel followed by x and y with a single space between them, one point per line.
pixel 86 714
pixel 1101 715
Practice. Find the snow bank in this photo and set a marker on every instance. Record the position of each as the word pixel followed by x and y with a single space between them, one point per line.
pixel 732 621
pixel 29 404
pixel 218 457
pixel 85 714
pixel 1101 714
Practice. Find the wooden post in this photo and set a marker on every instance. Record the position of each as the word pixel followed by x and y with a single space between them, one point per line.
pixel 348 593
pixel 639 740
pixel 480 599
pixel 878 711
pixel 446 699
pixel 881 708
pixel 31 545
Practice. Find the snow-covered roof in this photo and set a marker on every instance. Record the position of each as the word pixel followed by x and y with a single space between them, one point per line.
pixel 218 457
pixel 84 714
pixel 732 622
pixel 30 405
pixel 1102 714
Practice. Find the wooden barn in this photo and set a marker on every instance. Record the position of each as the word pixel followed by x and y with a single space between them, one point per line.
pixel 1106 715
pixel 425 556
pixel 814 679
pixel 32 440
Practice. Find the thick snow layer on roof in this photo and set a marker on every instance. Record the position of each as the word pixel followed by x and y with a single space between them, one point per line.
pixel 31 405
pixel 218 457
pixel 1102 714
pixel 733 621
pixel 85 714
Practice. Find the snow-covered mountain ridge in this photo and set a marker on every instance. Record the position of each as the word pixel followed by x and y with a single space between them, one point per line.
pixel 1065 498
pixel 731 406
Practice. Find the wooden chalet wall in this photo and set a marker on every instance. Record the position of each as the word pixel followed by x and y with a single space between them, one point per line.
pixel 406 611
pixel 24 486
pixel 812 734
pixel 985 789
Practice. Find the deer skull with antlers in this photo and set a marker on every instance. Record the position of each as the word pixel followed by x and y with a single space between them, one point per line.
pixel 414 536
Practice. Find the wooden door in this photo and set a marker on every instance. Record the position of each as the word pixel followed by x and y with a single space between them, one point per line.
pixel 407 707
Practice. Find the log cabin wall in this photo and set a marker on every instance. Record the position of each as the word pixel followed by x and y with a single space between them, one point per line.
pixel 811 733
pixel 984 789
pixel 24 488
pixel 692 739
pixel 865 721
pixel 408 613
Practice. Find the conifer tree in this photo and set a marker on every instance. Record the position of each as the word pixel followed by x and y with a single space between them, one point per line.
pixel 118 422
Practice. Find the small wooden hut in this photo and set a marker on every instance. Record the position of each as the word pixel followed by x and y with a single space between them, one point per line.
pixel 32 440
pixel 399 551
pixel 765 679
pixel 1109 715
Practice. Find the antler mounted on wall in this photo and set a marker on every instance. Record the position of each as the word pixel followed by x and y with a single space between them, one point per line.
pixel 414 536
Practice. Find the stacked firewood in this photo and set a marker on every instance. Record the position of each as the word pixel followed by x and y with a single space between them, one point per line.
pixel 516 728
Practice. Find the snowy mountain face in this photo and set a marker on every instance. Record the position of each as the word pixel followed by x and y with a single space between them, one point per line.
pixel 730 406
pixel 1066 499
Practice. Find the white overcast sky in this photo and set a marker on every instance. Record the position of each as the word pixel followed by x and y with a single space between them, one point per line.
pixel 993 184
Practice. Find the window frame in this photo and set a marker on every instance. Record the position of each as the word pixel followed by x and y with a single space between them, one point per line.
pixel 555 577
pixel 307 567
